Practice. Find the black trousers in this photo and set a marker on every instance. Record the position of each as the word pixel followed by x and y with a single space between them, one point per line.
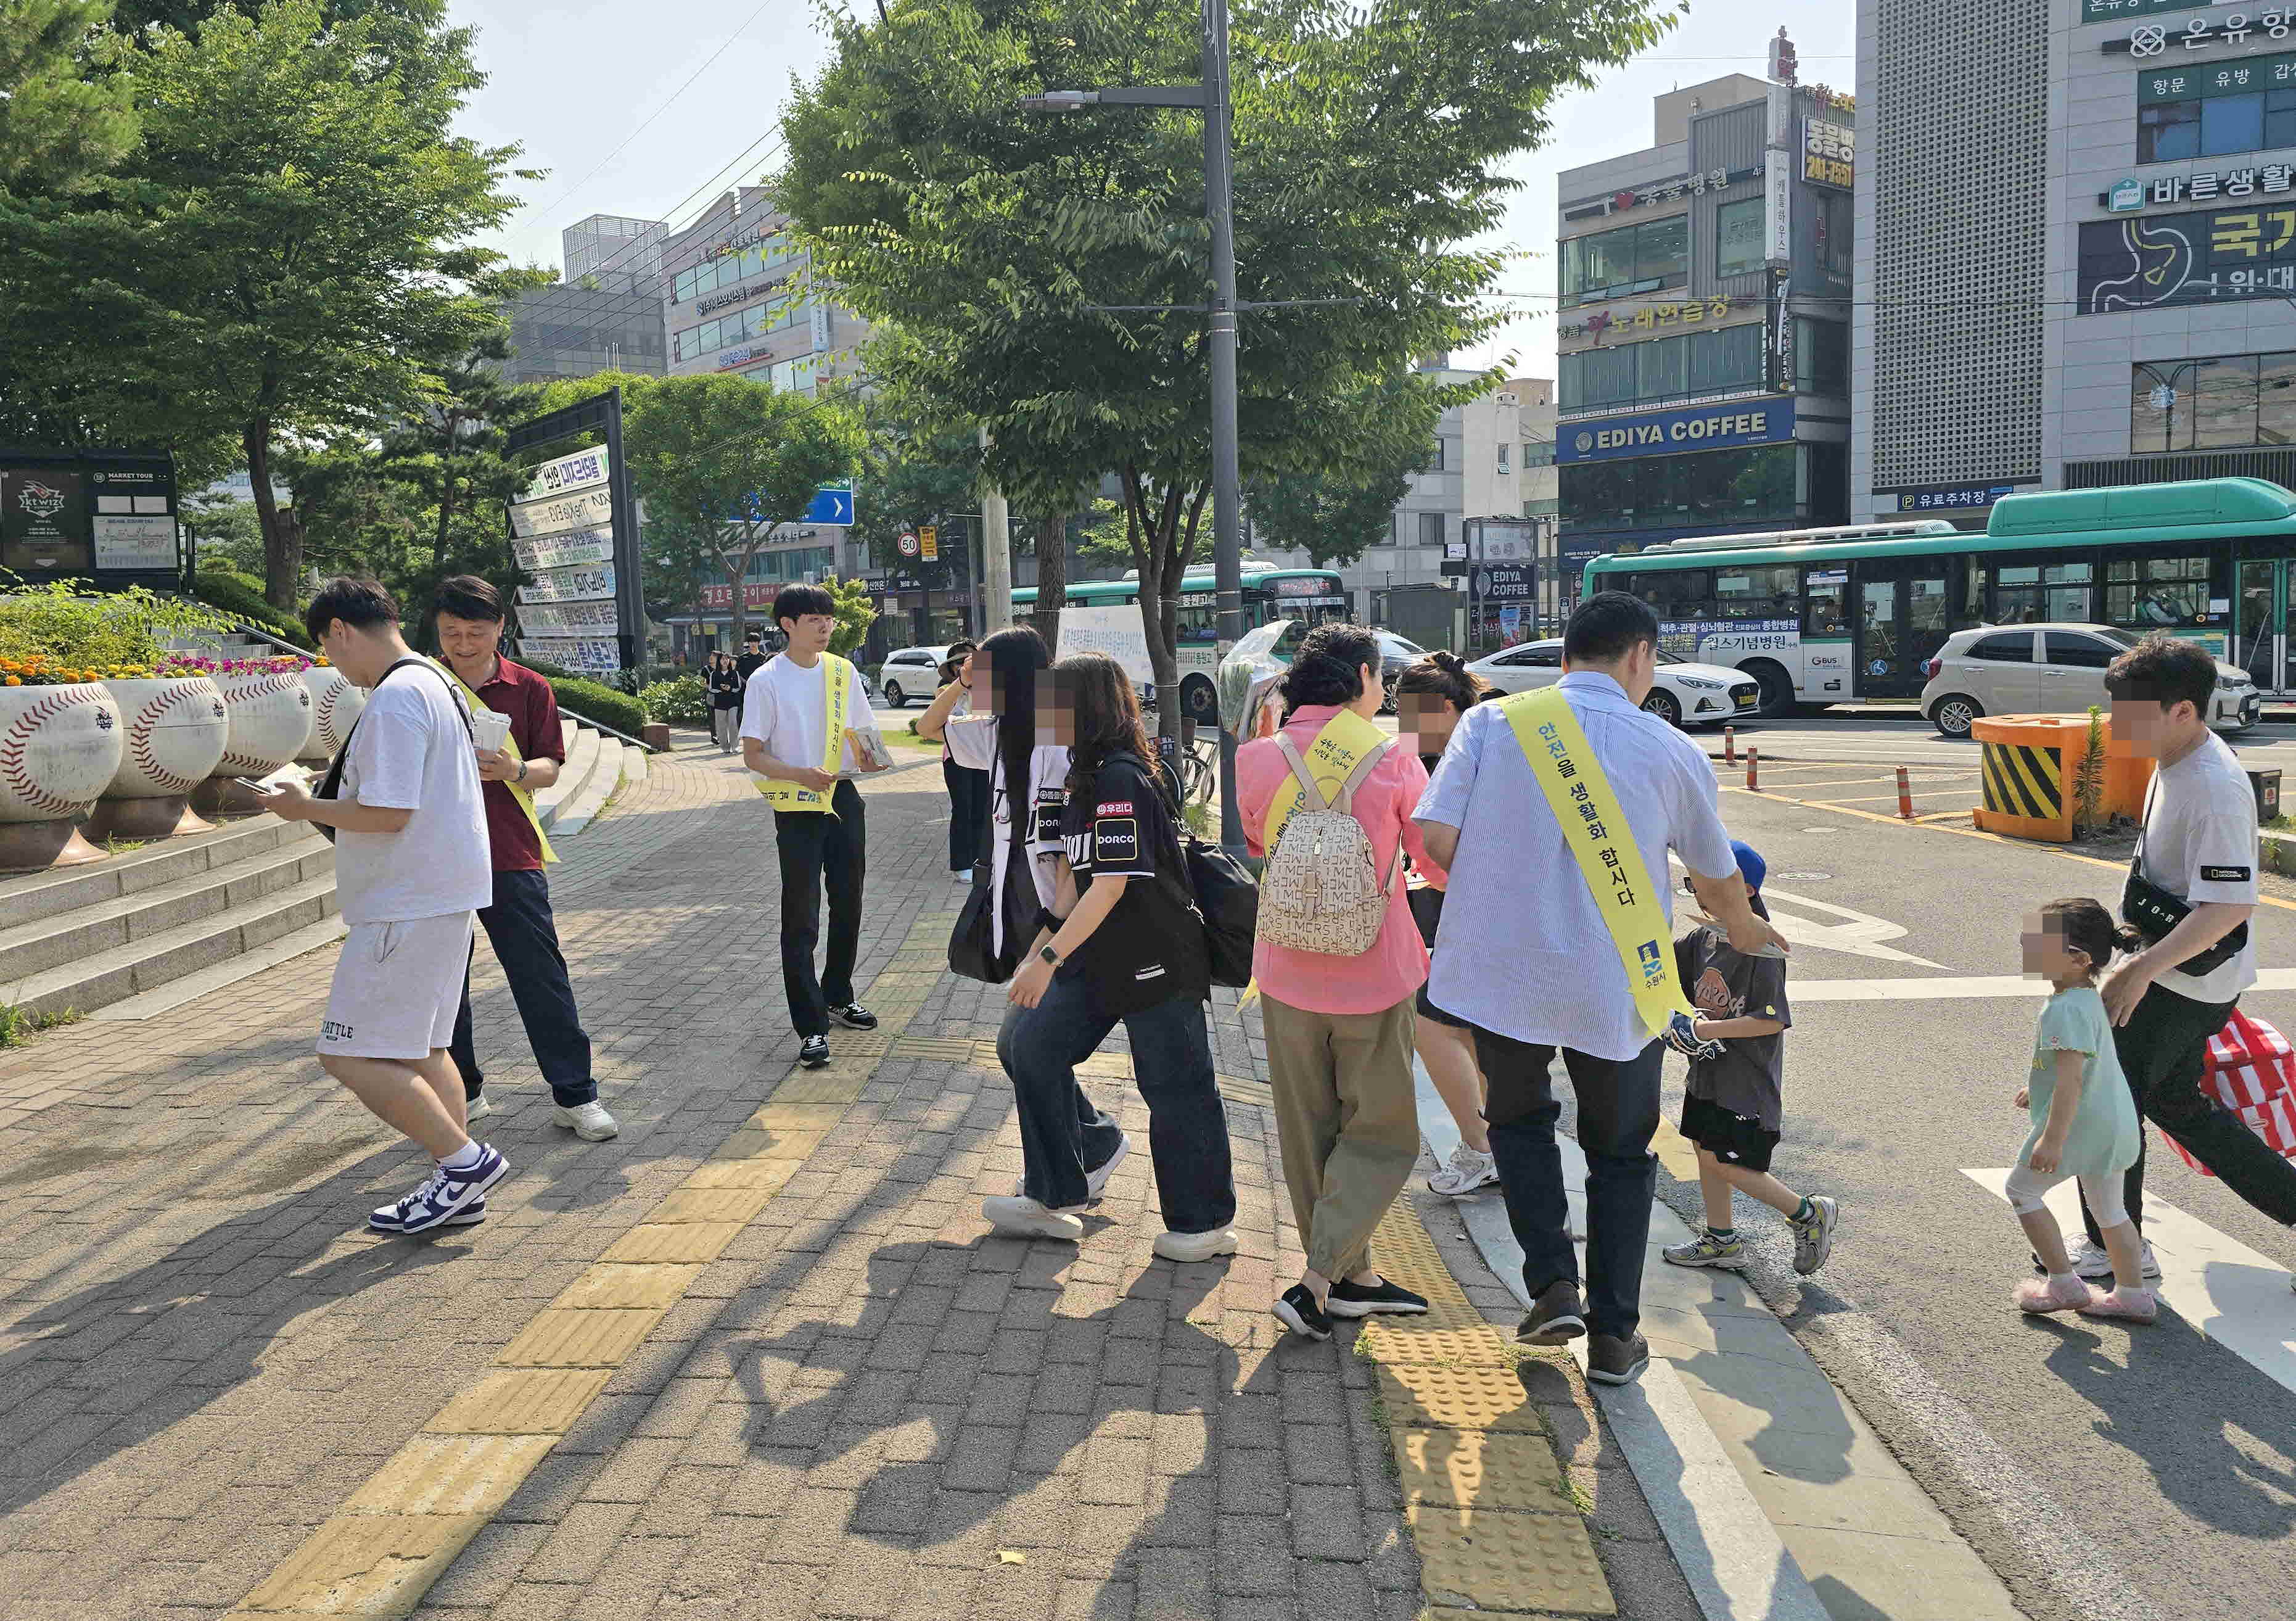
pixel 2163 1050
pixel 1618 1114
pixel 524 935
pixel 968 813
pixel 821 852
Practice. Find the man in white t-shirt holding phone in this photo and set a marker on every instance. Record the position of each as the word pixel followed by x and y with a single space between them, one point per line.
pixel 411 865
pixel 2198 850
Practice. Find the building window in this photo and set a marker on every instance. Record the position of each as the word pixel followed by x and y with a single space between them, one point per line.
pixel 2224 402
pixel 1662 369
pixel 1504 450
pixel 2213 126
pixel 1738 237
pixel 1836 236
pixel 1821 357
pixel 1538 453
pixel 1715 490
pixel 1436 464
pixel 724 269
pixel 1633 259
pixel 1431 528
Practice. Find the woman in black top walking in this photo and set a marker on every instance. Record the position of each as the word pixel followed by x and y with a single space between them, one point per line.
pixel 1122 942
pixel 725 688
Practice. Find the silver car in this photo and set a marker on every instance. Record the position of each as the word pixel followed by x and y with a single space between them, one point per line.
pixel 2054 668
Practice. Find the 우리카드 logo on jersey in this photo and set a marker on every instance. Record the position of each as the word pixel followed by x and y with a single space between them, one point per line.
pixel 1114 807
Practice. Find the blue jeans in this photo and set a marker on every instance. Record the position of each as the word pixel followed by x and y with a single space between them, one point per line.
pixel 1618 1113
pixel 1062 1133
pixel 525 938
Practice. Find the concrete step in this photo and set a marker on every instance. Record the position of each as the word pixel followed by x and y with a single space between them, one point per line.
pixel 31 948
pixel 175 992
pixel 40 896
pixel 582 756
pixel 113 975
pixel 634 764
pixel 605 776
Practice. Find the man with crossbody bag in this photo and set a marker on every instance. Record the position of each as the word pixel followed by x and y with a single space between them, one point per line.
pixel 2191 894
pixel 799 716
pixel 411 867
pixel 1554 811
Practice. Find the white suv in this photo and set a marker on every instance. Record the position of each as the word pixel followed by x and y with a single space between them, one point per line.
pixel 2056 669
pixel 913 672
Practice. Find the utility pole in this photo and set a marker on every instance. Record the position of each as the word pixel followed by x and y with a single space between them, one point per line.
pixel 996 557
pixel 1228 483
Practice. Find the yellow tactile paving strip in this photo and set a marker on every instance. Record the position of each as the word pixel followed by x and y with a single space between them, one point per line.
pixel 1483 1492
pixel 398 1533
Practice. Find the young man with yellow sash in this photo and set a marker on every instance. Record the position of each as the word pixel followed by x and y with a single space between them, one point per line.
pixel 798 716
pixel 1554 811
pixel 467 615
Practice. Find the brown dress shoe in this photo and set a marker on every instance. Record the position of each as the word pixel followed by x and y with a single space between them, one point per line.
pixel 1556 1317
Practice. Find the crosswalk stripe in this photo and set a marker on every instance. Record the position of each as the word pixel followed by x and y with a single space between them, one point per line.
pixel 2222 1288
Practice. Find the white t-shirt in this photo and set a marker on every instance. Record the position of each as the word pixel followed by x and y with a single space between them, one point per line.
pixel 784 708
pixel 2200 844
pixel 411 750
pixel 973 744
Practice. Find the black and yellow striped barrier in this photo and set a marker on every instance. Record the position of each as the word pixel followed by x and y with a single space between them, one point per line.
pixel 2028 766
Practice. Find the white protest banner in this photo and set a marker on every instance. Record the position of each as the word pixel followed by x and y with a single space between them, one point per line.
pixel 570 653
pixel 585 582
pixel 566 619
pixel 595 506
pixel 1117 632
pixel 568 474
pixel 563 550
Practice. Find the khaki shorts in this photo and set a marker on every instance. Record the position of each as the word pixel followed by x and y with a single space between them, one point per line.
pixel 397 988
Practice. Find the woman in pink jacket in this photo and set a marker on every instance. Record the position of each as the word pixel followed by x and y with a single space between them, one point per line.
pixel 1340 1029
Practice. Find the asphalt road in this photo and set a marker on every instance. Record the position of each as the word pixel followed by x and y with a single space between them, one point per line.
pixel 2103 1470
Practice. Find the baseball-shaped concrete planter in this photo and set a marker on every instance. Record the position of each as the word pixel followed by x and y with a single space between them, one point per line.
pixel 270 716
pixel 59 747
pixel 335 705
pixel 175 730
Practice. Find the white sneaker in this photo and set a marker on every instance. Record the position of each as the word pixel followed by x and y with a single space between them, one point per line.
pixel 1467 1172
pixel 1023 1218
pixel 1196 1246
pixel 477 1108
pixel 2092 1261
pixel 590 1120
pixel 1096 1179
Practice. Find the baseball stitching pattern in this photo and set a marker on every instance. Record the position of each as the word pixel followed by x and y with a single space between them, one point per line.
pixel 269 685
pixel 15 771
pixel 324 724
pixel 146 720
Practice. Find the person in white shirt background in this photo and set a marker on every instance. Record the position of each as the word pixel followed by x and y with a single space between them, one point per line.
pixel 2199 845
pixel 823 844
pixel 411 867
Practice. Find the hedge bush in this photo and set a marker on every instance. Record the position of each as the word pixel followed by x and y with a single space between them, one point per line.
pixel 603 704
pixel 683 702
pixel 238 594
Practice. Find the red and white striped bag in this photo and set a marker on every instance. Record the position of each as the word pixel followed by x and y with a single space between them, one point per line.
pixel 2252 1071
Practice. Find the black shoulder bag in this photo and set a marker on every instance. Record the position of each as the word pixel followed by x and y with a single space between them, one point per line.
pixel 973 952
pixel 330 786
pixel 2154 912
pixel 1226 895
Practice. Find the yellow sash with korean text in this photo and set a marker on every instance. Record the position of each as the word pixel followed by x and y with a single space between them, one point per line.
pixel 519 792
pixel 1602 842
pixel 1331 759
pixel 836 688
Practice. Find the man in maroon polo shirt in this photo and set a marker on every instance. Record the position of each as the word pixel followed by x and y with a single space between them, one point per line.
pixel 468 615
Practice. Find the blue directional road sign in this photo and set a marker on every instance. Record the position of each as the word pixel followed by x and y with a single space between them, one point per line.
pixel 832 503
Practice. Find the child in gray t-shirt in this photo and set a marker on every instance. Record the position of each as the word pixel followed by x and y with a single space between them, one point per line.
pixel 1732 1110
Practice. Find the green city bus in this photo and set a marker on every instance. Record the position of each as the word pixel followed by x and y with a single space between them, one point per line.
pixel 1820 616
pixel 1312 596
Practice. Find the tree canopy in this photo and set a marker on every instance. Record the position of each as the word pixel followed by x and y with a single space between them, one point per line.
pixel 61 115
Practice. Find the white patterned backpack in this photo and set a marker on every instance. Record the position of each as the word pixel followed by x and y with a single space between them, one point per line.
pixel 1320 890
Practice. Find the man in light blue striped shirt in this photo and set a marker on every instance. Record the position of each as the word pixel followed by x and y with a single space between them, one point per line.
pixel 1526 957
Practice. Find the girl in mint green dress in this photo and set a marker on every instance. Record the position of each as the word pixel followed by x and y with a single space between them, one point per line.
pixel 2083 1115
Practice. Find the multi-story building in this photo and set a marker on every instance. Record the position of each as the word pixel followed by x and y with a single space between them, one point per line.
pixel 1507 438
pixel 569 331
pixel 1702 343
pixel 2110 297
pixel 614 254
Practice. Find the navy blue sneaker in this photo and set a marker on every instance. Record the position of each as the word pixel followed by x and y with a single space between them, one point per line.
pixel 443 1197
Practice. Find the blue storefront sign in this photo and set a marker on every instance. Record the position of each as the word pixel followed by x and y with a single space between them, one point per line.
pixel 1742 423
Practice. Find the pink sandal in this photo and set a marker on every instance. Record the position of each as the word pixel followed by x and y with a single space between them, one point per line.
pixel 2129 1305
pixel 2040 1297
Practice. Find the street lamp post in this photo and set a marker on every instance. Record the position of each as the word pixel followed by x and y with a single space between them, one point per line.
pixel 1227 484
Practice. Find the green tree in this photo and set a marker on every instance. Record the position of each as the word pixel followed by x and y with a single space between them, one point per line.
pixel 284 259
pixel 61 115
pixel 855 614
pixel 1331 516
pixel 1044 277
pixel 449 456
pixel 733 460
pixel 225 532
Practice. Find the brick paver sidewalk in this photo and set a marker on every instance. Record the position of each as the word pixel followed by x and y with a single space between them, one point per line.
pixel 863 1406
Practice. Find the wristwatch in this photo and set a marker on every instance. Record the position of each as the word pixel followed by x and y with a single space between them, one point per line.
pixel 1050 954
pixel 521 772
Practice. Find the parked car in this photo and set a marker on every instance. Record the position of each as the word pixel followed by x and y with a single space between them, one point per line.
pixel 913 672
pixel 2054 668
pixel 1684 694
pixel 1396 654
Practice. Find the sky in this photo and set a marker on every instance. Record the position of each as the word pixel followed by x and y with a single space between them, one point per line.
pixel 650 110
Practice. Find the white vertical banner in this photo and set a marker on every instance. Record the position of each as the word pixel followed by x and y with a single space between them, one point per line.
pixel 1777 213
pixel 820 328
